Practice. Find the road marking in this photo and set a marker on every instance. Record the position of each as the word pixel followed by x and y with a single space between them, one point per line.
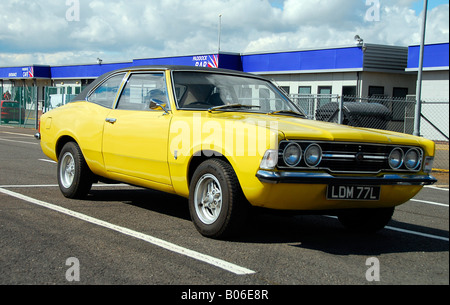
pixel 436 188
pixel 15 141
pixel 430 202
pixel 49 161
pixel 56 185
pixel 417 233
pixel 28 186
pixel 147 238
pixel 111 226
pixel 18 134
pixel 408 231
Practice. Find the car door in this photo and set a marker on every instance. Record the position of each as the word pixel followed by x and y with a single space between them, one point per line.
pixel 135 137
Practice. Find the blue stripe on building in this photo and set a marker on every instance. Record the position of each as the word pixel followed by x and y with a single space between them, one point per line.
pixel 329 60
pixel 435 56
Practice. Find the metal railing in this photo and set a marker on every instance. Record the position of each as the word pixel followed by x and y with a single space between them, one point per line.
pixel 379 112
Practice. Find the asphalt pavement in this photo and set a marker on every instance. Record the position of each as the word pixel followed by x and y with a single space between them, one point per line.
pixel 123 235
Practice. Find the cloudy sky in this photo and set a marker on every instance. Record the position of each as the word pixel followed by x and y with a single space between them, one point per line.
pixel 59 32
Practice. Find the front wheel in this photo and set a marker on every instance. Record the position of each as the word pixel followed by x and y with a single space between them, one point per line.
pixel 217 205
pixel 74 176
pixel 366 220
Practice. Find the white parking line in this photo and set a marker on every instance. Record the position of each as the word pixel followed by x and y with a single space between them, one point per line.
pixel 430 202
pixel 437 188
pixel 409 231
pixel 3 187
pixel 18 134
pixel 56 185
pixel 49 161
pixel 417 233
pixel 15 141
pixel 147 238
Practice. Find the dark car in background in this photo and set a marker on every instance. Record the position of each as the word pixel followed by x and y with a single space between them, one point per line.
pixel 11 111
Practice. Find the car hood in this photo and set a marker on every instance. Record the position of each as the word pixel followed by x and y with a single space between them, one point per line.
pixel 298 128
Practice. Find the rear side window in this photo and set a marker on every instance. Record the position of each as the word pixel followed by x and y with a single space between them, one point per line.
pixel 106 93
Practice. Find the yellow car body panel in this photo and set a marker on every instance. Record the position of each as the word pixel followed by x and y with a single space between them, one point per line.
pixel 155 149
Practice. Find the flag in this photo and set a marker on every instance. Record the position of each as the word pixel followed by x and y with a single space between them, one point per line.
pixel 213 61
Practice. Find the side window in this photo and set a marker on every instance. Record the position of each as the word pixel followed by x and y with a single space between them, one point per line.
pixel 140 89
pixel 106 93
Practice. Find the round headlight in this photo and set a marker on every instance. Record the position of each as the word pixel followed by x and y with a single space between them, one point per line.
pixel 292 154
pixel 413 159
pixel 396 158
pixel 313 155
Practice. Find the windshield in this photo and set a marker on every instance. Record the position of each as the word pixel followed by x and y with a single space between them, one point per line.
pixel 211 91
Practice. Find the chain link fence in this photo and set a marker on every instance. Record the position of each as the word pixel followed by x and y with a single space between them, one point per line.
pixel 55 97
pixel 379 112
pixel 385 113
pixel 28 105
pixel 20 107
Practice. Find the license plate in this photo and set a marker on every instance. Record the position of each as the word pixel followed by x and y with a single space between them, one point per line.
pixel 353 192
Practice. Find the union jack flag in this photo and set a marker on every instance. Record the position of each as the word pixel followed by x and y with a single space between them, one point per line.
pixel 31 72
pixel 213 61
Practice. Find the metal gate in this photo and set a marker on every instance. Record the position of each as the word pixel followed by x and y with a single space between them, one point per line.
pixel 28 114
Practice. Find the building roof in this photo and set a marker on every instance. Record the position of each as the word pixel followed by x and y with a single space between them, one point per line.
pixel 365 57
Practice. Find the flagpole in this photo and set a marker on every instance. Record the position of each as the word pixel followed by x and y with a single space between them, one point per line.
pixel 418 115
pixel 220 32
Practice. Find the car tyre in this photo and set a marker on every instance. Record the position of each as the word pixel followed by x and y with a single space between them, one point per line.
pixel 74 176
pixel 217 204
pixel 366 220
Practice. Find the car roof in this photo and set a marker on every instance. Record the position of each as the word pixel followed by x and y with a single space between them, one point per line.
pixel 83 95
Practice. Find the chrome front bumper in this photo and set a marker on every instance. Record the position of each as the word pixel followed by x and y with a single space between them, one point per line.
pixel 324 178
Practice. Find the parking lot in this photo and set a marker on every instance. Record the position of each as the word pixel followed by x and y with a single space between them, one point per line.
pixel 126 235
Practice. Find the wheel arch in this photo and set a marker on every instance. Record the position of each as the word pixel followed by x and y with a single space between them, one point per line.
pixel 61 142
pixel 199 158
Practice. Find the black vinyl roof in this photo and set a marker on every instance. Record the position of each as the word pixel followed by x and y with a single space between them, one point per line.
pixel 83 95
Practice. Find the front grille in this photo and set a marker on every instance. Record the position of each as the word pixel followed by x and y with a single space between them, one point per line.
pixel 347 157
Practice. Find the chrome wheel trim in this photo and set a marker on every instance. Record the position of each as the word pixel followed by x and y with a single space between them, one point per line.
pixel 67 170
pixel 208 199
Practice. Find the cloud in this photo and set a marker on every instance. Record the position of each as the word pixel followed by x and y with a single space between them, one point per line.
pixel 124 30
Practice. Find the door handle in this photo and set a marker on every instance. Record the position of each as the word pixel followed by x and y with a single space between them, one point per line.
pixel 111 120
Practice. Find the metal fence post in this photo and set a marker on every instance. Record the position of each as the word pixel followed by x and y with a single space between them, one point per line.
pixel 341 110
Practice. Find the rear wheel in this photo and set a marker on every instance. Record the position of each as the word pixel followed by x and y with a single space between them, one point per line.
pixel 366 220
pixel 74 176
pixel 217 205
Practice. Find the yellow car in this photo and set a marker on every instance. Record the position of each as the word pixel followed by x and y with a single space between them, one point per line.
pixel 229 141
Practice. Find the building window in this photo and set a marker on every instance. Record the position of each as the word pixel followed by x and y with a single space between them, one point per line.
pixel 304 90
pixel 399 104
pixel 324 95
pixel 376 91
pixel 400 92
pixel 349 93
pixel 305 101
pixel 286 89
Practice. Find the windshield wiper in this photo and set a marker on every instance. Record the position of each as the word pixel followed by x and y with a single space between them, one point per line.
pixel 287 112
pixel 232 106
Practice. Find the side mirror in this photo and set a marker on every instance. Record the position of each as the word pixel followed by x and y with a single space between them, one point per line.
pixel 155 104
